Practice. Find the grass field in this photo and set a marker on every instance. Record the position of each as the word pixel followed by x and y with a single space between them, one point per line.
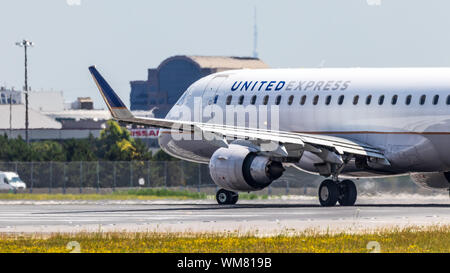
pixel 141 194
pixel 431 239
pixel 133 194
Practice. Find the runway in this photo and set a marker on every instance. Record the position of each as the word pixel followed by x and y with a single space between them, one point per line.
pixel 263 217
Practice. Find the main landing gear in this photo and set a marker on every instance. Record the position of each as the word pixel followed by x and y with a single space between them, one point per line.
pixel 225 197
pixel 331 192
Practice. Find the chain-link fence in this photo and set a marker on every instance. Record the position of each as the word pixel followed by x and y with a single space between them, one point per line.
pixel 100 176
pixel 109 174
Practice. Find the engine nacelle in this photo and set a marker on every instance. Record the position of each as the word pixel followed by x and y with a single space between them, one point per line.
pixel 432 180
pixel 237 168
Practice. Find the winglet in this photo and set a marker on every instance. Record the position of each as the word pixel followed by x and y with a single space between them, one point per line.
pixel 115 105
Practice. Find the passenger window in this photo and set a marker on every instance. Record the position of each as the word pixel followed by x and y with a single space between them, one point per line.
pixel 266 99
pixel 394 99
pixel 341 99
pixel 328 100
pixel 291 99
pixel 316 99
pixel 241 99
pixel 435 99
pixel 408 100
pixel 303 100
pixel 448 99
pixel 368 99
pixel 423 99
pixel 355 100
pixel 229 98
pixel 278 100
pixel 253 100
pixel 381 100
pixel 216 97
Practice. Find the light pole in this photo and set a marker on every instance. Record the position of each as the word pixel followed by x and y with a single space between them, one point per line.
pixel 25 44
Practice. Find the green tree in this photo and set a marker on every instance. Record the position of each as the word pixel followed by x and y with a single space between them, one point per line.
pixel 80 149
pixel 47 151
pixel 116 144
pixel 14 149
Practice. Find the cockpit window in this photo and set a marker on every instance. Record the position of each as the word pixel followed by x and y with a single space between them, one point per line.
pixel 182 98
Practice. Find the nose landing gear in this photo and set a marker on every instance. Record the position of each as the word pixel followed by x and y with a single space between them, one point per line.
pixel 331 192
pixel 225 197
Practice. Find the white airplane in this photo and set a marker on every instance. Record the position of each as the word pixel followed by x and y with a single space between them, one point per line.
pixel 334 122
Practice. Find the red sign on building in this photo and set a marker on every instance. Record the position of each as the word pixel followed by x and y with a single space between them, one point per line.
pixel 145 133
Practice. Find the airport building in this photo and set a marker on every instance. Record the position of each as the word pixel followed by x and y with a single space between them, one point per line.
pixel 50 118
pixel 165 84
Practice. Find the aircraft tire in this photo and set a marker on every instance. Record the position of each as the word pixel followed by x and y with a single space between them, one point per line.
pixel 348 193
pixel 225 197
pixel 328 193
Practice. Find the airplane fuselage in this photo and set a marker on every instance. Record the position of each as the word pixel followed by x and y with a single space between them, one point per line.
pixel 404 112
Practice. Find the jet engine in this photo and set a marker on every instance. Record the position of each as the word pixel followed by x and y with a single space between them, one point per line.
pixel 238 168
pixel 432 180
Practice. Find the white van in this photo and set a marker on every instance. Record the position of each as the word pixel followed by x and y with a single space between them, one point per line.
pixel 10 181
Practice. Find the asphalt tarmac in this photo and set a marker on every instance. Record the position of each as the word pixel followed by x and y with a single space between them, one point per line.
pixel 264 217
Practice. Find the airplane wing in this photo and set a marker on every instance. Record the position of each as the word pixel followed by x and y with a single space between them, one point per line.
pixel 316 144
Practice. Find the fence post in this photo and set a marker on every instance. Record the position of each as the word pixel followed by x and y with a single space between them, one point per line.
pixel 31 176
pixel 81 176
pixel 131 174
pixel 114 178
pixel 148 173
pixel 165 174
pixel 199 177
pixel 182 180
pixel 64 178
pixel 51 178
pixel 98 178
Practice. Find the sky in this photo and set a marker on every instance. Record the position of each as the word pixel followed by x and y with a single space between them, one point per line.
pixel 125 38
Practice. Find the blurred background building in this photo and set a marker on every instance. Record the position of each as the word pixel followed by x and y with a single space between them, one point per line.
pixel 165 84
pixel 50 118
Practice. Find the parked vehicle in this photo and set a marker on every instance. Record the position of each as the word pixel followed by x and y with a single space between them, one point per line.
pixel 11 181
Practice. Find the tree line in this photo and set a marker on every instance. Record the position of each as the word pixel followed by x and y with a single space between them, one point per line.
pixel 114 144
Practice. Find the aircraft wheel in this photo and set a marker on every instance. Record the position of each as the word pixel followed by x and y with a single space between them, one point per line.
pixel 328 193
pixel 225 197
pixel 348 193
